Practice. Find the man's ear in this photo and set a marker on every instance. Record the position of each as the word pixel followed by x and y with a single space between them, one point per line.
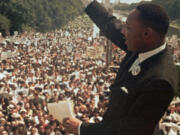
pixel 147 33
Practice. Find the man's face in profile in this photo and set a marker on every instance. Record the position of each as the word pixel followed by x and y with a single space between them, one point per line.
pixel 133 32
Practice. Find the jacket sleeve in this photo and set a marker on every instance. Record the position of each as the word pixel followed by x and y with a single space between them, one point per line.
pixel 108 24
pixel 142 115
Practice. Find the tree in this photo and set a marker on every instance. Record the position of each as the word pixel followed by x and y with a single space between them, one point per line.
pixel 4 25
pixel 40 15
pixel 172 7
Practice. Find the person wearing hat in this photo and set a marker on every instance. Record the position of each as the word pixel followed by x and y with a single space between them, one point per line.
pixel 4 132
pixel 170 128
pixel 23 113
pixel 2 121
pixel 16 117
pixel 146 80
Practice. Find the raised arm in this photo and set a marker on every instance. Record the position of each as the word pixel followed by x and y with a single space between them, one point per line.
pixel 108 24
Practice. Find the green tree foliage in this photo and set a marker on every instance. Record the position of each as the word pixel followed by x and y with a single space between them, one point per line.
pixel 171 6
pixel 41 15
pixel 4 25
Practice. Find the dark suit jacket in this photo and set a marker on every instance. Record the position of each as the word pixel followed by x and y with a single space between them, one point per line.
pixel 137 110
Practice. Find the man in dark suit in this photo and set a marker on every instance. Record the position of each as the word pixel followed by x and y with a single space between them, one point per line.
pixel 146 81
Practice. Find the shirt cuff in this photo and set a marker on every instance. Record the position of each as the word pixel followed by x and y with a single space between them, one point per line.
pixel 79 131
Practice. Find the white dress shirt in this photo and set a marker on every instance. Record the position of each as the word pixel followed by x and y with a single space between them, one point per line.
pixel 135 68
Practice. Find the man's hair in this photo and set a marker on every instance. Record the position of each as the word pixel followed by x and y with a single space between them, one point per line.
pixel 154 16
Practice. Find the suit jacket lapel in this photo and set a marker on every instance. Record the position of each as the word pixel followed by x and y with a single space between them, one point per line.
pixel 125 65
pixel 145 66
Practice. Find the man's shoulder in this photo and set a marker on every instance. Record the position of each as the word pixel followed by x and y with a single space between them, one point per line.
pixel 161 67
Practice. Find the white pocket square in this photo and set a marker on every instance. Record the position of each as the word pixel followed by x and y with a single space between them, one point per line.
pixel 124 89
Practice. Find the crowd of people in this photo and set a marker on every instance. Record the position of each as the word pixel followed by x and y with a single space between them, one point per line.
pixel 42 68
pixel 170 123
pixel 175 41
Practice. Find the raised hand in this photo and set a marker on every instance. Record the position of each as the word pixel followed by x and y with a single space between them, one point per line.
pixel 71 125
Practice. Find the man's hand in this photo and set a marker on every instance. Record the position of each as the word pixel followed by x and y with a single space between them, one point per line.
pixel 71 124
pixel 86 2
